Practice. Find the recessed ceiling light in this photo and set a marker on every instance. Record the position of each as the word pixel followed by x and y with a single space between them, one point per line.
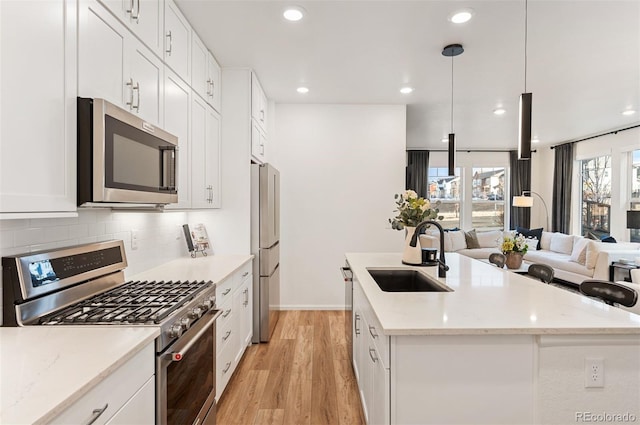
pixel 536 140
pixel 628 112
pixel 445 140
pixel 499 111
pixel 302 90
pixel 293 13
pixel 461 16
pixel 406 90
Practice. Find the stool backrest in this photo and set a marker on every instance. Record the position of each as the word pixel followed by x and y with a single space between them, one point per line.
pixel 497 259
pixel 610 292
pixel 541 271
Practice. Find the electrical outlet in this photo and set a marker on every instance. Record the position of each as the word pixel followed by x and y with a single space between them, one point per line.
pixel 134 239
pixel 593 372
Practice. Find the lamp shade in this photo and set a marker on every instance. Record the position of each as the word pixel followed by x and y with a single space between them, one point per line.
pixel 633 219
pixel 522 201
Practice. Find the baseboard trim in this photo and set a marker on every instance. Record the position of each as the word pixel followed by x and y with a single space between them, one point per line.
pixel 311 307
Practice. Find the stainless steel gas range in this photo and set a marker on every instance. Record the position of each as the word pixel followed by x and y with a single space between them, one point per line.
pixel 84 285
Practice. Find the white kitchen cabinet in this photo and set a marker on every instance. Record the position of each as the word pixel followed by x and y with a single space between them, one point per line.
pixel 259 103
pixel 177 99
pixel 177 40
pixel 205 72
pixel 234 327
pixel 121 70
pixel 240 103
pixel 37 107
pixel 142 17
pixel 127 396
pixel 205 155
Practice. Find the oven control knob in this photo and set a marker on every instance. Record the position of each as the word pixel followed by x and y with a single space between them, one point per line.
pixel 185 322
pixel 175 331
pixel 208 303
pixel 196 313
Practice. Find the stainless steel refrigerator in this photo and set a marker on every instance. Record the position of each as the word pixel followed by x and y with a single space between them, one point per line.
pixel 265 245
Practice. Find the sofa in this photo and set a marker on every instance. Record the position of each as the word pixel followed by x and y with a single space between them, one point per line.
pixel 573 258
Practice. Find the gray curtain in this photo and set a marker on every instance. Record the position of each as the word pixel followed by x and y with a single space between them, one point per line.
pixel 520 180
pixel 563 169
pixel 417 168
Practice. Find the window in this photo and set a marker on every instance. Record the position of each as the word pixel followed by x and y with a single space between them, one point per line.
pixel 446 189
pixel 635 190
pixel 596 195
pixel 488 193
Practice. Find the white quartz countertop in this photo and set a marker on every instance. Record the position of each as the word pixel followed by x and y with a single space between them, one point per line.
pixel 485 300
pixel 44 370
pixel 213 268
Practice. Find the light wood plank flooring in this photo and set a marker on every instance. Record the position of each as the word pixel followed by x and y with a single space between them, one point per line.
pixel 302 376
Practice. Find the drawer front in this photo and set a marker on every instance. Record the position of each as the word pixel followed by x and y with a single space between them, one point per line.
pixel 224 368
pixel 242 274
pixel 224 291
pixel 380 340
pixel 114 391
pixel 224 329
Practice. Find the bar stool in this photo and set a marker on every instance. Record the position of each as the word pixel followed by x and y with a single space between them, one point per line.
pixel 497 259
pixel 610 292
pixel 542 272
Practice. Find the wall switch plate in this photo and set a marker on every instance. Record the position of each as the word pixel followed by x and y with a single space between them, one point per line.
pixel 593 372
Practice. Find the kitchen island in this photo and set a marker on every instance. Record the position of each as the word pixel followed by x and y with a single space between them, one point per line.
pixel 499 348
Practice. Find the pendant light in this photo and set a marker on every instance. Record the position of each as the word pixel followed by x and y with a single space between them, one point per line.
pixel 524 114
pixel 450 51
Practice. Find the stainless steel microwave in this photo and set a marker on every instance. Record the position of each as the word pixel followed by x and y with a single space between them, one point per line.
pixel 123 159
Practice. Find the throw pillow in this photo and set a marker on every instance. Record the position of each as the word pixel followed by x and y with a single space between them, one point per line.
pixel 490 239
pixel 472 239
pixel 532 244
pixel 562 243
pixel 579 252
pixel 545 240
pixel 530 233
pixel 458 241
pixel 609 239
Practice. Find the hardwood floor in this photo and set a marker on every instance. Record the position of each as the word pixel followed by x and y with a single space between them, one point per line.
pixel 302 376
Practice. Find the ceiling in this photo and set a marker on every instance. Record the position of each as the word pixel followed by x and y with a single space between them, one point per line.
pixel 583 61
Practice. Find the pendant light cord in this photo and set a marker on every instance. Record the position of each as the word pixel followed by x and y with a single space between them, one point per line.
pixel 526 13
pixel 452 94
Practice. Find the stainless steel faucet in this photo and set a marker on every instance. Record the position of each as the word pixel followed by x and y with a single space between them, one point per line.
pixel 442 265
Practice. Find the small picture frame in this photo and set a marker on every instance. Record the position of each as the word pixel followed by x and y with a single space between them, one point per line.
pixel 197 239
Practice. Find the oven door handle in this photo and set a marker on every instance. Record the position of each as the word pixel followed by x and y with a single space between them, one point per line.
pixel 199 330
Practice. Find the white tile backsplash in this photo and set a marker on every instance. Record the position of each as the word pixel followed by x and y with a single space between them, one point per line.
pixel 159 235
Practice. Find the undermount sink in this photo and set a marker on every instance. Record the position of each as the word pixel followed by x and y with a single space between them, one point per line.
pixel 405 280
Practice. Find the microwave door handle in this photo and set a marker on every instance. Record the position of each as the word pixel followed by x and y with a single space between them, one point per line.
pixel 168 164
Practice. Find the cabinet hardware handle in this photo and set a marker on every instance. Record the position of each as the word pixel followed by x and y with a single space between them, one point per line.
pixel 208 87
pixel 226 368
pixel 226 291
pixel 246 296
pixel 136 88
pixel 96 414
pixel 245 274
pixel 356 323
pixel 226 313
pixel 213 87
pixel 130 102
pixel 261 149
pixel 170 43
pixel 262 115
pixel 130 9
pixel 373 332
pixel 226 336
pixel 137 15
pixel 371 354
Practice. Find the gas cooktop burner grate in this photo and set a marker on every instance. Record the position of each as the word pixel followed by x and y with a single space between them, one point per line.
pixel 132 302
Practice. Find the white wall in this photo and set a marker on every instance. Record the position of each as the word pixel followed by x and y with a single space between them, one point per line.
pixel 340 166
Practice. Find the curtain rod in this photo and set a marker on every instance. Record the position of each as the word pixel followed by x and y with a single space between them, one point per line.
pixel 461 150
pixel 595 136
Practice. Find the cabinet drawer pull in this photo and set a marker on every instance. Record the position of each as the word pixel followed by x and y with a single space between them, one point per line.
pixel 226 313
pixel 373 332
pixel 136 88
pixel 226 336
pixel 372 353
pixel 213 87
pixel 226 291
pixel 245 274
pixel 226 367
pixel 356 324
pixel 130 85
pixel 169 37
pixel 96 414
pixel 208 87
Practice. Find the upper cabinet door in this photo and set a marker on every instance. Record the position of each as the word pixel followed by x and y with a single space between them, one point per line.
pixel 215 76
pixel 37 106
pixel 101 54
pixel 177 40
pixel 200 80
pixel 142 17
pixel 146 74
